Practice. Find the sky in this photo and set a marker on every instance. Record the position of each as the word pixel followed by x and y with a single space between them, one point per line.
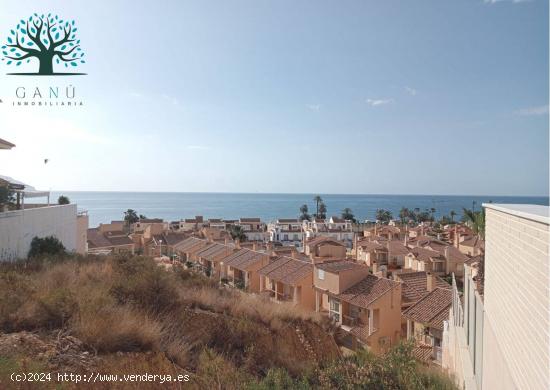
pixel 382 97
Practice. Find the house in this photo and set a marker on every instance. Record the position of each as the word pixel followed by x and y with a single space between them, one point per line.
pixel 471 246
pixel 497 334
pixel 383 252
pixel 387 232
pixel 191 224
pixel 103 240
pixel 288 280
pixel 209 258
pixel 19 225
pixel 216 223
pixel 164 244
pixel 142 224
pixel 188 248
pixel 415 285
pixel 367 308
pixel 429 254
pixel 335 228
pixel 323 247
pixel 241 268
pixel 425 321
pixel 287 231
pixel 253 228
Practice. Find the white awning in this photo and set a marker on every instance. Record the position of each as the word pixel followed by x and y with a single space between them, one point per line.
pixel 28 191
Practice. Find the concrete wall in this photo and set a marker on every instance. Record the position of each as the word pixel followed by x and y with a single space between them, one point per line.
pixel 517 338
pixel 18 228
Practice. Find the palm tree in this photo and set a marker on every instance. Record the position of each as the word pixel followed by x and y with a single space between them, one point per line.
pixel 404 214
pixel 317 200
pixel 304 212
pixel 237 233
pixel 383 216
pixel 475 221
pixel 432 210
pixel 322 213
pixel 130 216
pixel 347 214
pixel 452 214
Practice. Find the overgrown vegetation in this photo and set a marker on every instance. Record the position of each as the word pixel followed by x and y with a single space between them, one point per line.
pixel 46 246
pixel 178 320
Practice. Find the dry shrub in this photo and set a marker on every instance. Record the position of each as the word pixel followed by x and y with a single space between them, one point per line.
pixel 138 281
pixel 116 328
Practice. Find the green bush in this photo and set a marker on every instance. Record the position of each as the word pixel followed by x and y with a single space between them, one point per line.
pixel 46 246
pixel 63 200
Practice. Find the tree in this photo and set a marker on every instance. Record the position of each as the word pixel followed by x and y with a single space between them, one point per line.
pixel 304 213
pixel 432 211
pixel 46 246
pixel 404 214
pixel 452 214
pixel 7 197
pixel 130 217
pixel 237 233
pixel 383 216
pixel 45 38
pixel 322 213
pixel 475 220
pixel 63 200
pixel 141 216
pixel 347 214
pixel 318 200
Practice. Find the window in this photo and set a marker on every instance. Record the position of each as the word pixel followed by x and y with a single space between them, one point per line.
pixel 321 275
pixel 334 311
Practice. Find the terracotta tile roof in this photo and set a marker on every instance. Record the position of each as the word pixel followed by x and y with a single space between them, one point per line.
pixel 288 220
pixel 287 270
pixel 190 244
pixel 244 259
pixel 96 239
pixel 474 242
pixel 369 246
pixel 212 251
pixel 397 247
pixel 247 220
pixel 415 285
pixel 432 309
pixel 322 240
pixel 426 255
pixel 368 290
pixel 338 266
pixel 173 238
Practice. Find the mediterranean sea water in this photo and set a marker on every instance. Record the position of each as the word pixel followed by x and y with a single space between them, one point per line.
pixel 103 207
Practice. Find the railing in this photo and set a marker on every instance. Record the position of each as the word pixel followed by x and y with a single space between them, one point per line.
pixel 352 321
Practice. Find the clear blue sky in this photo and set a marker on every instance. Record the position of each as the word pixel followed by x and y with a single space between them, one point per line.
pixel 425 97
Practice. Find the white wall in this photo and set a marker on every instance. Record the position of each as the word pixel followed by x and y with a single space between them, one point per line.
pixel 517 278
pixel 18 228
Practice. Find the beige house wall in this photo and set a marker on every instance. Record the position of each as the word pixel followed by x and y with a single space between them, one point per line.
pixel 82 222
pixel 517 341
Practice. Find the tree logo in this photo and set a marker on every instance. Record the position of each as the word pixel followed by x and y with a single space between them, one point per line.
pixel 47 39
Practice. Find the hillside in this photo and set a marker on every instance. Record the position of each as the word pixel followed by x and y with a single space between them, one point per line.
pixel 126 315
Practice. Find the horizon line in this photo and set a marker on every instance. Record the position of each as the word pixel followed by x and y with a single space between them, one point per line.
pixel 300 193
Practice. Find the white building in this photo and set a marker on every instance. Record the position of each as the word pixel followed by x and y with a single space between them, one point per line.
pixel 287 231
pixel 500 337
pixel 253 228
pixel 336 228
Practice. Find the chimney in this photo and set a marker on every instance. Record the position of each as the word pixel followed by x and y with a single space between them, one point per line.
pixel 226 241
pixel 430 281
pixel 254 246
pixel 422 229
pixel 375 229
pixel 406 239
pixel 439 236
pixel 374 267
pixel 237 244
pixel 355 246
pixel 293 254
pixel 446 253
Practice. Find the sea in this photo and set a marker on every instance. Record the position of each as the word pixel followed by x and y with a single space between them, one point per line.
pixel 103 207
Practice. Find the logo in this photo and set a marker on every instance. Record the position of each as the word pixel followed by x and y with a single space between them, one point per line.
pixel 48 41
